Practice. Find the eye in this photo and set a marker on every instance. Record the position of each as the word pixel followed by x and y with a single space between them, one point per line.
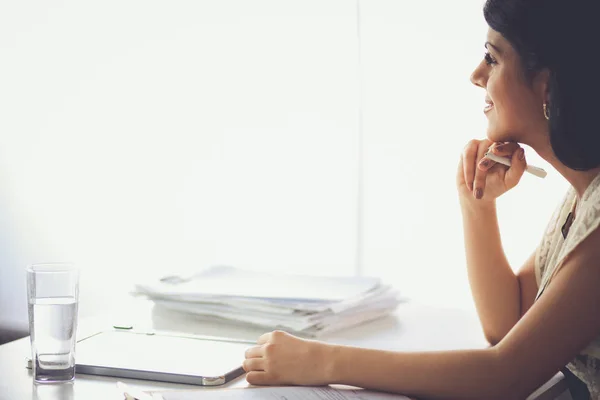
pixel 489 60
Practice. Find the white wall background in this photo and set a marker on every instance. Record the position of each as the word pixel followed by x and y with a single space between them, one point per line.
pixel 139 138
pixel 419 111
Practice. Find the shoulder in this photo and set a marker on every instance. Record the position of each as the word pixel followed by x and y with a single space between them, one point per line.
pixel 587 220
pixel 552 234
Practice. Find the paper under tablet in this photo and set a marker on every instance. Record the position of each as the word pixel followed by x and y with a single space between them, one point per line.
pixel 278 393
pixel 163 357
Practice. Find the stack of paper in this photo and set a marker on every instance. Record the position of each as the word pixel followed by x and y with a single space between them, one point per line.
pixel 305 305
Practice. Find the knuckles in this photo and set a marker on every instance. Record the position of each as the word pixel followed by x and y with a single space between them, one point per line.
pixel 269 349
pixel 473 143
pixel 471 146
pixel 277 334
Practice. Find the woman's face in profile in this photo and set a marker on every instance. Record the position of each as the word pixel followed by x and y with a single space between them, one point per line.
pixel 513 105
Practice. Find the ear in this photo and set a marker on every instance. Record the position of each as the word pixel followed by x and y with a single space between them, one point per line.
pixel 541 84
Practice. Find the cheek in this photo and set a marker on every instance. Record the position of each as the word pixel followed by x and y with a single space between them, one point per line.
pixel 498 92
pixel 511 116
pixel 511 104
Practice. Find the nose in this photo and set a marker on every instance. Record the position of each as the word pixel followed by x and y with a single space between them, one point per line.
pixel 478 77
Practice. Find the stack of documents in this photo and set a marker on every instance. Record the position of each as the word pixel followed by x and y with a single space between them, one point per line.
pixel 304 305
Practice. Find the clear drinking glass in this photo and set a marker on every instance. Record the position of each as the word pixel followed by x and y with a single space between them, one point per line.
pixel 53 293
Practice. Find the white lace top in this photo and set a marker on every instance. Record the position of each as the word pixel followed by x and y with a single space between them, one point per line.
pixel 552 251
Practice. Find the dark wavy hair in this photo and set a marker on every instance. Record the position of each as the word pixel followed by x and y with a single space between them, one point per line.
pixel 562 36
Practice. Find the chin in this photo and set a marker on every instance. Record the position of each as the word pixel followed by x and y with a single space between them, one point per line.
pixel 499 135
pixel 495 136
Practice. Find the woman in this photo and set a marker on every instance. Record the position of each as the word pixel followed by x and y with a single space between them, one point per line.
pixel 543 90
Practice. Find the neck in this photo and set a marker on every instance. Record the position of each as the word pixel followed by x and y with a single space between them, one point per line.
pixel 580 180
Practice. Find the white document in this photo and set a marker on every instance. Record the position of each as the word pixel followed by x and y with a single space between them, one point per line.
pixel 238 283
pixel 303 305
pixel 301 325
pixel 281 393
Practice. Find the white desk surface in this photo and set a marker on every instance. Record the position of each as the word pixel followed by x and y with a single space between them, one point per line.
pixel 412 327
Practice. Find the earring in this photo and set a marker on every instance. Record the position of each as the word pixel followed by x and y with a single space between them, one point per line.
pixel 546 112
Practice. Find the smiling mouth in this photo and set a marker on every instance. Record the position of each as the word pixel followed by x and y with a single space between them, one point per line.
pixel 488 105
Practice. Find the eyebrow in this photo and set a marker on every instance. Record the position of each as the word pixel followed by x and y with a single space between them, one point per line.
pixel 496 48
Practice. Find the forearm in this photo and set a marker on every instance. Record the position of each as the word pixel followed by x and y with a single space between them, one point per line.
pixel 494 285
pixel 465 374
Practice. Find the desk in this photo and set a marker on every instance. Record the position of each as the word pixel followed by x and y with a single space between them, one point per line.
pixel 412 327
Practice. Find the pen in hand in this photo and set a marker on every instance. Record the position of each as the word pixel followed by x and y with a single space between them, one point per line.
pixel 537 171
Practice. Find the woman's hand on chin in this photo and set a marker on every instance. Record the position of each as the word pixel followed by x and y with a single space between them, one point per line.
pixel 481 179
pixel 284 359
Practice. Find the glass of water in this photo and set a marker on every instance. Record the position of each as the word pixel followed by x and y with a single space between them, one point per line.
pixel 53 292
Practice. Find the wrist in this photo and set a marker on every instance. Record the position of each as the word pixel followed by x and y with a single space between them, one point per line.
pixel 332 363
pixel 470 204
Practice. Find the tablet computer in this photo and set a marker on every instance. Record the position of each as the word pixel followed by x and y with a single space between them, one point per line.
pixel 166 357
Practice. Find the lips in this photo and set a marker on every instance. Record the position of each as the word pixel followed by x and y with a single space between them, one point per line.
pixel 489 104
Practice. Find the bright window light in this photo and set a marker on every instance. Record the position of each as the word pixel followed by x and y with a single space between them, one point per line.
pixel 145 138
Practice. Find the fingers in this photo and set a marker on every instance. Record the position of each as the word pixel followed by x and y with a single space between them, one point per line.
pixel 254 364
pixel 253 352
pixel 257 378
pixel 516 170
pixel 485 164
pixel 469 162
pixel 475 169
pixel 505 149
pixel 264 338
pixel 480 173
